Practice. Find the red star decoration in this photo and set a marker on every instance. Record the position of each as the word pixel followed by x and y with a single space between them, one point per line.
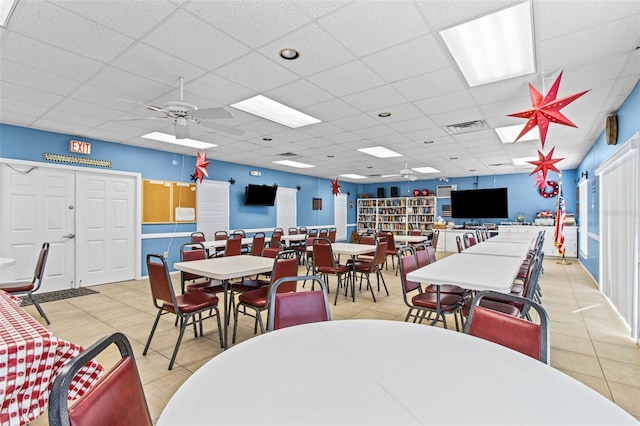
pixel 335 187
pixel 546 110
pixel 541 181
pixel 545 163
pixel 201 167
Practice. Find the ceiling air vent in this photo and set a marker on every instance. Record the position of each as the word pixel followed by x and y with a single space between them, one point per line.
pixel 468 127
pixel 375 175
pixel 288 154
pixel 499 164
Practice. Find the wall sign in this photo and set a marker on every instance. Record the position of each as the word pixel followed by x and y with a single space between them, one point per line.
pixel 80 147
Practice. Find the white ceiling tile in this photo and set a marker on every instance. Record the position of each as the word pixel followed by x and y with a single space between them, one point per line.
pixel 299 94
pixel 17 92
pixel 331 110
pixel 36 79
pixel 445 103
pixel 347 79
pixel 256 72
pixel 128 85
pixel 355 122
pixel 379 99
pixel 429 85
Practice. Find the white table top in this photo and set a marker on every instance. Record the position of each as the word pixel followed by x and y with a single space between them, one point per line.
pixel 226 268
pixel 6 261
pixel 518 250
pixel 365 372
pixel 295 237
pixel 350 249
pixel 477 272
pixel 512 238
pixel 411 238
pixel 223 243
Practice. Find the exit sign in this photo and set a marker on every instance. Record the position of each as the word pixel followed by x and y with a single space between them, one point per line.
pixel 80 147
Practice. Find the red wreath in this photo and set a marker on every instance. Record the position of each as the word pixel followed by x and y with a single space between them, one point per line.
pixel 550 191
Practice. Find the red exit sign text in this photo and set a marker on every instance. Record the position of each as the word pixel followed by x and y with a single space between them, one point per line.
pixel 80 147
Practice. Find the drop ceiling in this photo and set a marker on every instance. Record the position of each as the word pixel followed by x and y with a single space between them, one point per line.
pixel 66 66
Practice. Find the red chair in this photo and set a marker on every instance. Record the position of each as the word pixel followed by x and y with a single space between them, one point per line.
pixel 323 233
pixel 421 304
pixel 300 307
pixel 198 237
pixel 434 239
pixel 30 287
pixel 415 232
pixel 188 307
pixel 284 265
pixel 219 236
pixel 193 282
pixel 257 244
pixel 325 263
pixel 425 255
pixel 373 266
pixel 529 338
pixel 391 249
pixel 459 244
pixel 332 234
pixel 234 246
pixel 276 238
pixel 469 239
pixel 244 248
pixel 116 399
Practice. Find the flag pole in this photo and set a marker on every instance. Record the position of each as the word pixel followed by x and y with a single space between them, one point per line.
pixel 562 261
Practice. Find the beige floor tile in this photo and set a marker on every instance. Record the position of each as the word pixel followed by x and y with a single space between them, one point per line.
pixel 620 372
pixel 573 361
pixel 629 354
pixel 573 344
pixel 598 384
pixel 627 397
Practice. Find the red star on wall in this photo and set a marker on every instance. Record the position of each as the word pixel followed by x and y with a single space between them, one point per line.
pixel 541 181
pixel 201 167
pixel 335 187
pixel 546 110
pixel 545 163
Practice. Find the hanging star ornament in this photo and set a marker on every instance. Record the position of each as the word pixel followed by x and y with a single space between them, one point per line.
pixel 546 110
pixel 545 163
pixel 541 181
pixel 335 187
pixel 201 167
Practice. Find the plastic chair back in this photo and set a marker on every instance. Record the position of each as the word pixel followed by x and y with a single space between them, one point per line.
pixel 160 281
pixel 332 235
pixel 295 308
pixel 234 245
pixel 407 262
pixel 198 237
pixel 117 398
pixel 257 244
pixel 188 253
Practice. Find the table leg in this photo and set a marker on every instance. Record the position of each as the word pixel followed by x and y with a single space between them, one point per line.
pixel 225 309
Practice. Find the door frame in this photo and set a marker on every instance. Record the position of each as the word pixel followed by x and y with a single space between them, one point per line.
pixel 138 201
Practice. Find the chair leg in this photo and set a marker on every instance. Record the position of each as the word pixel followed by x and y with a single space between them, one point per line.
pixel 37 305
pixel 235 322
pixel 381 277
pixel 183 326
pixel 153 329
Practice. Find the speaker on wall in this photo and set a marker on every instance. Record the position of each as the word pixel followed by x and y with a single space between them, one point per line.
pixel 380 192
pixel 394 191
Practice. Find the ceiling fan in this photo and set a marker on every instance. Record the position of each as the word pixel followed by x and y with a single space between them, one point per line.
pixel 183 114
pixel 406 173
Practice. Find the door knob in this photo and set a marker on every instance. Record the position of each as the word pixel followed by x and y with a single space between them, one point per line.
pixel 70 236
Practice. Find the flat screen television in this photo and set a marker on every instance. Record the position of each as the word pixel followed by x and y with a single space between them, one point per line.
pixel 260 195
pixel 479 204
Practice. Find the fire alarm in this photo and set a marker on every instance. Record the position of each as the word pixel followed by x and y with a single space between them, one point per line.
pixel 611 129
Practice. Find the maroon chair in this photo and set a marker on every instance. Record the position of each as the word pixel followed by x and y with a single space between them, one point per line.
pixel 434 240
pixel 426 255
pixel 116 399
pixel 234 245
pixel 469 239
pixel 257 244
pixel 332 234
pixel 415 232
pixel 459 244
pixel 219 236
pixel 420 303
pixel 198 237
pixel 193 282
pixel 30 287
pixel 373 266
pixel 284 265
pixel 529 338
pixel 391 250
pixel 300 307
pixel 188 307
pixel 325 263
pixel 244 248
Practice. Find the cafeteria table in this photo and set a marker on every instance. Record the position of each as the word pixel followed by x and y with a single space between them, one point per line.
pixel 375 372
pixel 30 358
pixel 519 250
pixel 410 239
pixel 225 269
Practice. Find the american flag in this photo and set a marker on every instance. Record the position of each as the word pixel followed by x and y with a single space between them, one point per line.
pixel 561 215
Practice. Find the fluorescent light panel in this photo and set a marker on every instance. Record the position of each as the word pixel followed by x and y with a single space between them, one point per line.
pixel 293 164
pixel 523 161
pixel 191 143
pixel 380 152
pixel 6 9
pixel 275 111
pixel 353 176
pixel 510 133
pixel 495 47
pixel 425 170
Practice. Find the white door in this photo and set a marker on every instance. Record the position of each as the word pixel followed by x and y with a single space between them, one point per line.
pixel 106 228
pixel 340 216
pixel 287 208
pixel 37 205
pixel 213 207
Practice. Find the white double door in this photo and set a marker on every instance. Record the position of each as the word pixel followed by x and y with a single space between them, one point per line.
pixel 88 218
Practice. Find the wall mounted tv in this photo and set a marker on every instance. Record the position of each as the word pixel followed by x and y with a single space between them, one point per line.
pixel 479 204
pixel 260 195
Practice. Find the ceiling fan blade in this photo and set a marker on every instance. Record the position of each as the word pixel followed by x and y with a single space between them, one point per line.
pixel 212 113
pixel 222 128
pixel 182 132
pixel 142 118
pixel 151 107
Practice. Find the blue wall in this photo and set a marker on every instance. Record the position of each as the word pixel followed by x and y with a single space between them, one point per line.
pixel 628 125
pixel 29 144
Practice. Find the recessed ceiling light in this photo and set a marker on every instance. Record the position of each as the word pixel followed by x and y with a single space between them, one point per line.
pixel 425 170
pixel 275 111
pixel 353 176
pixel 523 161
pixel 293 164
pixel 453 158
pixel 369 167
pixel 510 133
pixel 266 139
pixel 191 143
pixel 330 156
pixel 495 47
pixel 384 114
pixel 289 54
pixel 427 142
pixel 6 9
pixel 380 152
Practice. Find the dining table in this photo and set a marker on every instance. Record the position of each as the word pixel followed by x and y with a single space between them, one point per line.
pixel 30 358
pixel 225 269
pixel 6 262
pixel 512 238
pixel 410 239
pixel 519 250
pixel 380 372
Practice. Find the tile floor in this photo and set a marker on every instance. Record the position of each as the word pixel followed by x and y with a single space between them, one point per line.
pixel 588 340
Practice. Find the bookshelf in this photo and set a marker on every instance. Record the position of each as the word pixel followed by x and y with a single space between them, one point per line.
pixel 399 214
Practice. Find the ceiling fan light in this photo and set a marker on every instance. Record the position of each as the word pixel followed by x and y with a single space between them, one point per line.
pixel 191 143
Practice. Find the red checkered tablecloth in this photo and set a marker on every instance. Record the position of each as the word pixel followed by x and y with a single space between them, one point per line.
pixel 30 358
